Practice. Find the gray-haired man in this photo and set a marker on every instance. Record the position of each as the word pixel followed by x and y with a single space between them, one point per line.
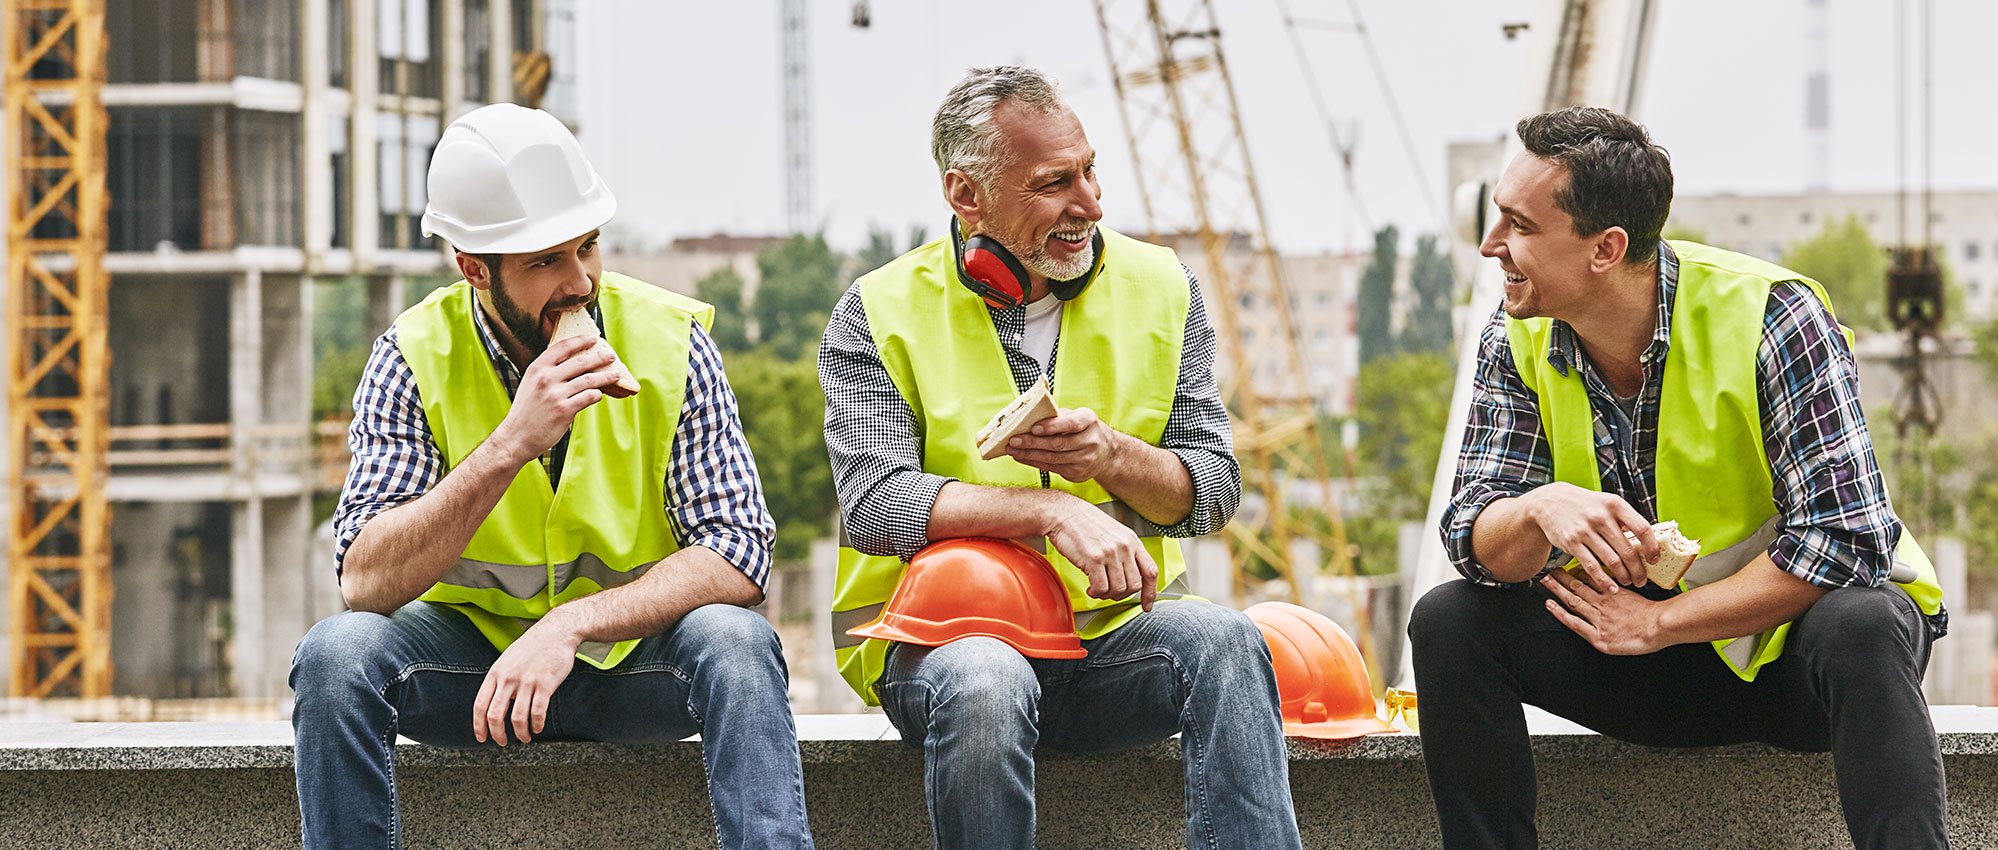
pixel 916 357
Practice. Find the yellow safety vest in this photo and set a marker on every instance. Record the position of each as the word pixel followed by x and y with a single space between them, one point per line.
pixel 1119 356
pixel 1713 475
pixel 606 524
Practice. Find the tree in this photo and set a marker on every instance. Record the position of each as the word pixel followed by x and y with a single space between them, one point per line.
pixel 1852 267
pixel 1428 327
pixel 801 282
pixel 1375 308
pixel 341 340
pixel 722 288
pixel 881 250
pixel 783 416
pixel 1402 410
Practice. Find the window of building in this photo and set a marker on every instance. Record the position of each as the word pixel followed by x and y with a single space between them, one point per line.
pixel 266 40
pixel 404 161
pixel 409 43
pixel 1970 250
pixel 478 49
pixel 337 45
pixel 1324 300
pixel 153 172
pixel 154 41
pixel 266 154
pixel 342 163
pixel 1804 217
pixel 1743 219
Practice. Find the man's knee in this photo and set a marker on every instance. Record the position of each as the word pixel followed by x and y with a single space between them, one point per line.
pixel 1452 614
pixel 735 645
pixel 341 649
pixel 1857 628
pixel 1215 642
pixel 980 681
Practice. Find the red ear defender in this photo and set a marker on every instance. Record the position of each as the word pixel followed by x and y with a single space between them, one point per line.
pixel 1001 282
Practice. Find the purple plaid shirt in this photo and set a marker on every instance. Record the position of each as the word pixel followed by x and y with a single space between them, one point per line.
pixel 1838 528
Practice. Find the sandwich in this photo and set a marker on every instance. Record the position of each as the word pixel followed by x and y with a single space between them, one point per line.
pixel 1016 418
pixel 1675 554
pixel 577 322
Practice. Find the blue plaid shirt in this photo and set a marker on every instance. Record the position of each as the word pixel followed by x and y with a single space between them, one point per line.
pixel 1838 528
pixel 713 495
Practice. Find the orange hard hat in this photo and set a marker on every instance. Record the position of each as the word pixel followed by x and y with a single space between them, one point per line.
pixel 1321 679
pixel 980 586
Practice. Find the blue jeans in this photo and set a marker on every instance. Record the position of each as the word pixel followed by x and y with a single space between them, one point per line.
pixel 978 708
pixel 361 679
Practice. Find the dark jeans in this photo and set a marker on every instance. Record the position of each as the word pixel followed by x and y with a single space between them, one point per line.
pixel 1848 682
pixel 362 679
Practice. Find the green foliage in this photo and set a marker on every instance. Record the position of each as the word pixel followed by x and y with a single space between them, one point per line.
pixel 1428 327
pixel 1985 336
pixel 801 282
pixel 341 338
pixel 1375 307
pixel 723 289
pixel 1852 267
pixel 1955 492
pixel 881 248
pixel 1404 404
pixel 783 416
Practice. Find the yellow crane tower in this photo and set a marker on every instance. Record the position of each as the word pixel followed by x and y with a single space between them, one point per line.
pixel 1194 177
pixel 58 540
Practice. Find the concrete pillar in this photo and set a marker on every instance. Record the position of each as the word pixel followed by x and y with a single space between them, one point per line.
pixel 451 62
pixel 833 696
pixel 314 167
pixel 246 548
pixel 1209 571
pixel 287 603
pixel 499 60
pixel 363 151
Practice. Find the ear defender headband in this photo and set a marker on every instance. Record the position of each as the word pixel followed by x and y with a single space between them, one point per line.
pixel 985 267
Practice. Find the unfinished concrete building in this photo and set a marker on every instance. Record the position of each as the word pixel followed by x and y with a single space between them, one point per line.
pixel 258 150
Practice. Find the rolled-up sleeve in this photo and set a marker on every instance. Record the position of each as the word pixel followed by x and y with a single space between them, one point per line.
pixel 1504 454
pixel 393 457
pixel 713 495
pixel 1198 432
pixel 873 440
pixel 1838 527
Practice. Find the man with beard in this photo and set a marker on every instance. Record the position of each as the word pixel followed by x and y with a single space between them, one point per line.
pixel 1626 381
pixel 917 355
pixel 524 558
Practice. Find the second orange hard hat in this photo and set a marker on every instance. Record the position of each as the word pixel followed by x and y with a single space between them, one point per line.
pixel 1321 678
pixel 980 586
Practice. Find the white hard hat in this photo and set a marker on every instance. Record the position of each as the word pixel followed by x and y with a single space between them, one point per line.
pixel 509 180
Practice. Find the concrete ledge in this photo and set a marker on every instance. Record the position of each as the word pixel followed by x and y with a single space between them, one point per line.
pixel 150 784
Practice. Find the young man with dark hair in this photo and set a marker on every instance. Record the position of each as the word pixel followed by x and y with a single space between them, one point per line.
pixel 1624 382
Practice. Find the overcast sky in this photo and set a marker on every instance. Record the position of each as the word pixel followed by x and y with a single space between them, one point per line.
pixel 680 103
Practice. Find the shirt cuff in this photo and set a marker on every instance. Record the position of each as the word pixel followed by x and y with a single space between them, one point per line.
pixel 1458 522
pixel 744 551
pixel 894 518
pixel 1826 559
pixel 1212 502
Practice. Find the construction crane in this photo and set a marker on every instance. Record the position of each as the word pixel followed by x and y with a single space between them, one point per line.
pixel 795 22
pixel 1194 177
pixel 58 398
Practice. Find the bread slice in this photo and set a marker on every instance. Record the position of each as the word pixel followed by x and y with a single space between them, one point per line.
pixel 1016 418
pixel 1675 554
pixel 577 322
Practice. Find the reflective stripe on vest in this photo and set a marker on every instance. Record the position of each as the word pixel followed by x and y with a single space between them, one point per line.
pixel 1713 475
pixel 1120 343
pixel 541 546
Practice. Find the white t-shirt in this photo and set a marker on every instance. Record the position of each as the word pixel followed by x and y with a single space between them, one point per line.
pixel 1043 324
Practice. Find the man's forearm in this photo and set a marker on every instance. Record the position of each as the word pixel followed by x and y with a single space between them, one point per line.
pixel 1759 597
pixel 1507 542
pixel 686 580
pixel 1151 480
pixel 977 510
pixel 404 550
